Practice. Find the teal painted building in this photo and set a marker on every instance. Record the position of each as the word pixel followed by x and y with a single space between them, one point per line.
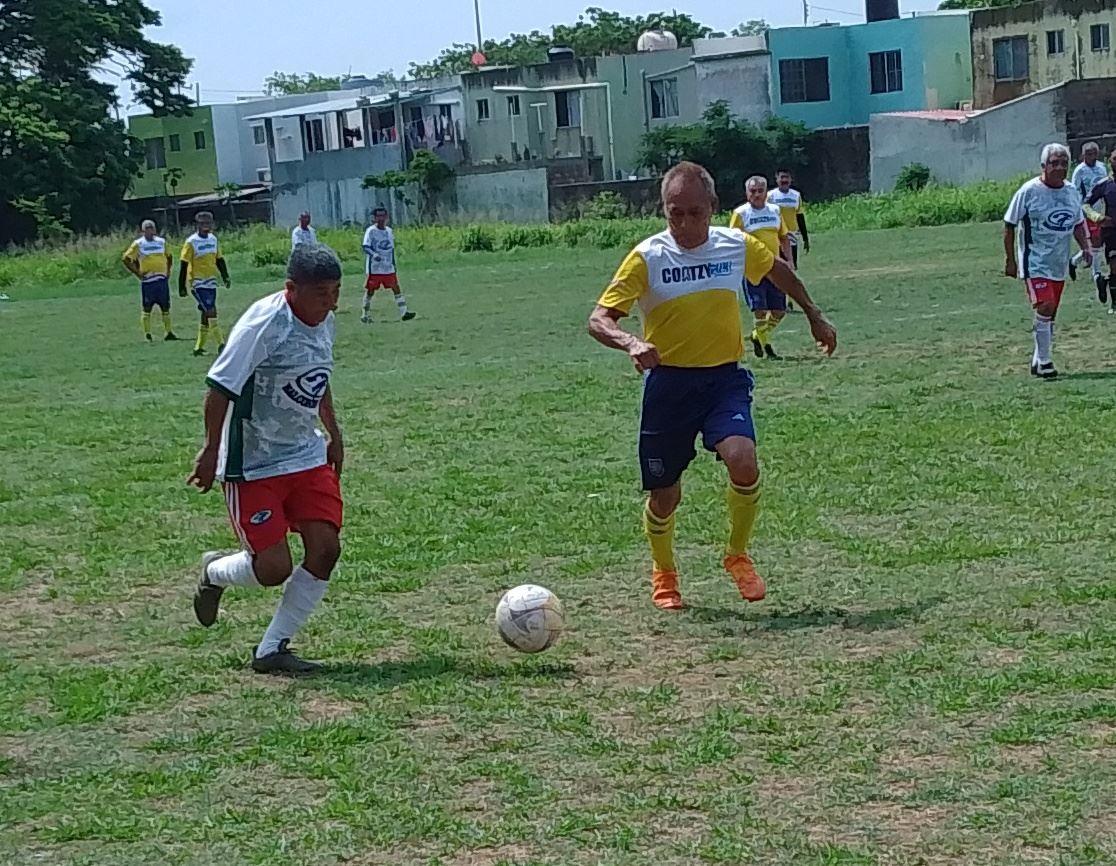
pixel 827 75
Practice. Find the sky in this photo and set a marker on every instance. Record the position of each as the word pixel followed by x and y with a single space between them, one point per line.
pixel 235 44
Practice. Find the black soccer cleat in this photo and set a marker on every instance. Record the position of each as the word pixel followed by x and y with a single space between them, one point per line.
pixel 283 662
pixel 1102 288
pixel 1073 272
pixel 147 337
pixel 171 337
pixel 771 354
pixel 757 347
pixel 1044 371
pixel 199 352
pixel 407 316
pixel 207 597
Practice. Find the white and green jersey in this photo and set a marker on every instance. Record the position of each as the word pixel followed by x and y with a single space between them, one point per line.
pixel 275 370
pixel 1085 177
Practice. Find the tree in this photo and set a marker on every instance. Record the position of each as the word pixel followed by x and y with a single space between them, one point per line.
pixel 427 172
pixel 596 32
pixel 65 162
pixel 732 149
pixel 751 27
pixel 977 4
pixel 288 83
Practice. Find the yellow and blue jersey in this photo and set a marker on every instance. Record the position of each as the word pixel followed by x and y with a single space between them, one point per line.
pixel 150 256
pixel 201 255
pixel 790 205
pixel 765 224
pixel 689 300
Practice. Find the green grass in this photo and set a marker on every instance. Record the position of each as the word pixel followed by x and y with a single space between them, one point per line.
pixel 932 679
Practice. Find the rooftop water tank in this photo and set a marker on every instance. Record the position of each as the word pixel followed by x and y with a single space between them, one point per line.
pixel 881 10
pixel 657 40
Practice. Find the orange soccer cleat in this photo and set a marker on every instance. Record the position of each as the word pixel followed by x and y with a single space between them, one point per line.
pixel 664 590
pixel 750 584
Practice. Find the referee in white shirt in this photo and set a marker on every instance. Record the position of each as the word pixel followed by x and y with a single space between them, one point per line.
pixel 303 233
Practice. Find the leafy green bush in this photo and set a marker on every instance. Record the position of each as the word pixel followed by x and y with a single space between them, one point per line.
pixel 913 177
pixel 477 239
pixel 265 256
pixel 527 236
pixel 605 206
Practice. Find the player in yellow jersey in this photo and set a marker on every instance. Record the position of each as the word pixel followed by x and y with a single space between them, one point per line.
pixel 686 281
pixel 149 260
pixel 202 263
pixel 764 222
pixel 791 206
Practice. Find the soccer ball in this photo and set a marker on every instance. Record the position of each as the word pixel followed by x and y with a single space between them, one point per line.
pixel 529 618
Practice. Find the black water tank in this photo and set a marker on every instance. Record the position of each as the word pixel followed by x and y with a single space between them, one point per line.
pixel 881 10
pixel 559 52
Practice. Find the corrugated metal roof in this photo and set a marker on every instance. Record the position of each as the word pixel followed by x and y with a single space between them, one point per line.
pixel 936 113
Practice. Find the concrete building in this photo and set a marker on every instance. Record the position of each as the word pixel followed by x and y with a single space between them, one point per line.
pixel 1020 49
pixel 210 146
pixel 1001 143
pixel 735 70
pixel 829 75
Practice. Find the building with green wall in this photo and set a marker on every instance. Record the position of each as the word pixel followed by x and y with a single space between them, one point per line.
pixel 183 143
pixel 828 75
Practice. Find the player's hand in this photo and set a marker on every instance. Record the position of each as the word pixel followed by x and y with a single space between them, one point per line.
pixel 644 355
pixel 825 335
pixel 1087 258
pixel 181 293
pixel 205 470
pixel 806 247
pixel 228 284
pixel 1011 269
pixel 335 455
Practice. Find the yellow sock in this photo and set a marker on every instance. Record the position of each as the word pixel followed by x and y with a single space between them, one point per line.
pixel 166 322
pixel 203 332
pixel 215 333
pixel 762 330
pixel 772 324
pixel 660 535
pixel 145 320
pixel 743 505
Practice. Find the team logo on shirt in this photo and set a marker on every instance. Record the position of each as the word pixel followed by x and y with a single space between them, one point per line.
pixel 308 388
pixel 1060 220
pixel 691 273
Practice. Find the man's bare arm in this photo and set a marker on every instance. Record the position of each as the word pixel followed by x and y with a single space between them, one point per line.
pixel 1011 266
pixel 205 464
pixel 604 327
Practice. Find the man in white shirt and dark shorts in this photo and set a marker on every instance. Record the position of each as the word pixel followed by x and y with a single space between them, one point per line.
pixel 379 266
pixel 303 234
pixel 267 403
pixel 1042 218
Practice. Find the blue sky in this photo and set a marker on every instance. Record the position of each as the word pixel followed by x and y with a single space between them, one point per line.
pixel 235 44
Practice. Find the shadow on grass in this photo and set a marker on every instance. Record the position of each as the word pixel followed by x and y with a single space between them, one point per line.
pixel 881 619
pixel 1088 375
pixel 389 674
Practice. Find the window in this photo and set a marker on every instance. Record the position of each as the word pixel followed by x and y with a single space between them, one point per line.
pixel 263 175
pixel 664 97
pixel 805 80
pixel 1099 37
pixel 567 109
pixel 1011 58
pixel 1055 42
pixel 259 134
pixel 175 143
pixel 315 134
pixel 155 156
pixel 885 68
pixel 513 106
pixel 482 109
pixel 199 140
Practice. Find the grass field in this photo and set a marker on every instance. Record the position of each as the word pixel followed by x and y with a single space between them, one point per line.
pixel 932 679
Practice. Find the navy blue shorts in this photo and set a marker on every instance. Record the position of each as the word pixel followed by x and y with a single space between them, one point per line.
pixel 678 404
pixel 156 293
pixel 764 296
pixel 206 298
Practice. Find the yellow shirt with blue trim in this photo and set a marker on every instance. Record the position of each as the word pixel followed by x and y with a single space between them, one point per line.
pixel 790 206
pixel 689 300
pixel 765 224
pixel 201 255
pixel 151 256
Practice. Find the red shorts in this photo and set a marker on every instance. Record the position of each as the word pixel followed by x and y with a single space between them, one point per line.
pixel 381 281
pixel 1044 291
pixel 262 512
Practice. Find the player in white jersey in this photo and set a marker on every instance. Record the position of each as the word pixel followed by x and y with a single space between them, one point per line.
pixel 303 233
pixel 379 266
pixel 268 399
pixel 1089 172
pixel 1040 221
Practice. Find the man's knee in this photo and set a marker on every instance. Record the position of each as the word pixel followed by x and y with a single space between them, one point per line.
pixel 777 315
pixel 323 548
pixel 665 500
pixel 739 455
pixel 273 564
pixel 1046 309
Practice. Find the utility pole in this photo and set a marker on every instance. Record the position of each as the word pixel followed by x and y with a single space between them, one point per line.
pixel 476 14
pixel 197 93
pixel 805 13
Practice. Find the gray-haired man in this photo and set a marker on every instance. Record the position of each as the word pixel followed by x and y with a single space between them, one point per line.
pixel 265 410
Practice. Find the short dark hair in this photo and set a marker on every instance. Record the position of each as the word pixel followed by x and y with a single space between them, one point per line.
pixel 784 171
pixel 203 216
pixel 379 209
pixel 313 263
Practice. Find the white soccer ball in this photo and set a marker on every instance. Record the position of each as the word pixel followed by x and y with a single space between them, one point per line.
pixel 529 618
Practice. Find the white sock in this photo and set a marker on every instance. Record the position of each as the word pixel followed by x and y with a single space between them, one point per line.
pixel 301 595
pixel 401 302
pixel 1044 338
pixel 367 302
pixel 233 570
pixel 1077 259
pixel 1096 264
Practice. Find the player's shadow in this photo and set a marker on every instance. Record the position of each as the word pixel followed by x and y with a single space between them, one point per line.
pixel 388 675
pixel 1086 375
pixel 810 617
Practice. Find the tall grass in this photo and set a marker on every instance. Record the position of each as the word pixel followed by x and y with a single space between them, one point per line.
pixel 87 258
